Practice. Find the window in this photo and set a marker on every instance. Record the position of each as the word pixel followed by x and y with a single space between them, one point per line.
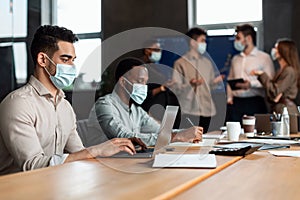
pixel 221 17
pixel 79 16
pixel 14 18
pixel 229 11
pixel 84 19
pixel 20 60
pixel 86 62
pixel 13 33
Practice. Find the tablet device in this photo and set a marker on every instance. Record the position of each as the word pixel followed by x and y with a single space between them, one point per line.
pixel 233 82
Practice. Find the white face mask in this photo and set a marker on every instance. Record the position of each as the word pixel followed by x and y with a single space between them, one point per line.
pixel 155 56
pixel 64 76
pixel 239 46
pixel 273 54
pixel 138 93
pixel 202 47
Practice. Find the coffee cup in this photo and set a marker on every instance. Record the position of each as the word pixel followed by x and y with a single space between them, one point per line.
pixel 248 125
pixel 233 130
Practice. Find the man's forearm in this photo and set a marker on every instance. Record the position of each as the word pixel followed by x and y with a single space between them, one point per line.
pixel 80 155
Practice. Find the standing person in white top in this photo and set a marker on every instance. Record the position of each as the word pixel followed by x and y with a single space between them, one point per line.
pixel 249 98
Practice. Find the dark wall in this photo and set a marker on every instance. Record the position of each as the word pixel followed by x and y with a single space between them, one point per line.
pixel 120 15
pixel 295 22
pixel 34 21
pixel 278 18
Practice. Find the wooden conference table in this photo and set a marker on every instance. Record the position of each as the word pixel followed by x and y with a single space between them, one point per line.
pixel 257 176
pixel 107 178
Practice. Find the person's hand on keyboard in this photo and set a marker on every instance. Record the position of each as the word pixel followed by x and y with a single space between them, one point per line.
pixel 138 142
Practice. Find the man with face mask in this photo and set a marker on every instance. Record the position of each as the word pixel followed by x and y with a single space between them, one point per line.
pixel 194 78
pixel 159 95
pixel 248 99
pixel 152 53
pixel 37 125
pixel 118 116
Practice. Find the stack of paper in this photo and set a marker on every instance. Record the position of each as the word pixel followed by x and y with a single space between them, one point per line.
pixel 286 153
pixel 185 160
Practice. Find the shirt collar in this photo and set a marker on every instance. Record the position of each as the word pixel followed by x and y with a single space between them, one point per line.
pixel 252 53
pixel 116 96
pixel 41 89
pixel 191 56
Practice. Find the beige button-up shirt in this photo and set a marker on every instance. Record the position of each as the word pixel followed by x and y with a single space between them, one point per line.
pixel 35 131
pixel 194 100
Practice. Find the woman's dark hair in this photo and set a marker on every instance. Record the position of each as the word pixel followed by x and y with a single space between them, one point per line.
pixel 289 52
pixel 46 38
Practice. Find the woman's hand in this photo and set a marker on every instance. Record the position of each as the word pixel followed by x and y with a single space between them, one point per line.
pixel 256 72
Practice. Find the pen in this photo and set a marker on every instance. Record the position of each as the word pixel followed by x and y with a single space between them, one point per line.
pixel 190 121
pixel 195 140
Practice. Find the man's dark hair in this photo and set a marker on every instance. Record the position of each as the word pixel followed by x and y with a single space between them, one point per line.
pixel 194 33
pixel 247 29
pixel 126 65
pixel 148 43
pixel 46 38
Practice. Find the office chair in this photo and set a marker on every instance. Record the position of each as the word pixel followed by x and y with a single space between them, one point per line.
pixel 90 134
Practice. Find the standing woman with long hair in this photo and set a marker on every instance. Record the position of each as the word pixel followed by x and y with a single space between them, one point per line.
pixel 282 90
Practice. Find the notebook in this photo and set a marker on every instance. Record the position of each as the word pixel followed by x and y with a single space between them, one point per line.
pixel 163 139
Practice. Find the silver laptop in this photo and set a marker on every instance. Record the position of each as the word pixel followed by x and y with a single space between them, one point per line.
pixel 163 139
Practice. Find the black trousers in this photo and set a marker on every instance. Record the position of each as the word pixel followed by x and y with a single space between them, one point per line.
pixel 196 120
pixel 245 106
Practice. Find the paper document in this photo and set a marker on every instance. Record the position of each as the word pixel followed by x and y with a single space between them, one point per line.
pixel 207 136
pixel 185 160
pixel 286 153
pixel 272 141
pixel 203 143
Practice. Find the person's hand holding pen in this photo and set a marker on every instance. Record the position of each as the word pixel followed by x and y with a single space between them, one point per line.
pixel 192 134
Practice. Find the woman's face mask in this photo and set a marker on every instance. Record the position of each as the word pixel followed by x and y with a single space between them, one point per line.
pixel 138 93
pixel 273 54
pixel 64 76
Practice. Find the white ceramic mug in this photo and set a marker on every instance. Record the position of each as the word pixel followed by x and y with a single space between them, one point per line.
pixel 233 130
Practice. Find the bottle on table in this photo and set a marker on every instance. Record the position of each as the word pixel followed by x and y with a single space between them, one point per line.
pixel 285 122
